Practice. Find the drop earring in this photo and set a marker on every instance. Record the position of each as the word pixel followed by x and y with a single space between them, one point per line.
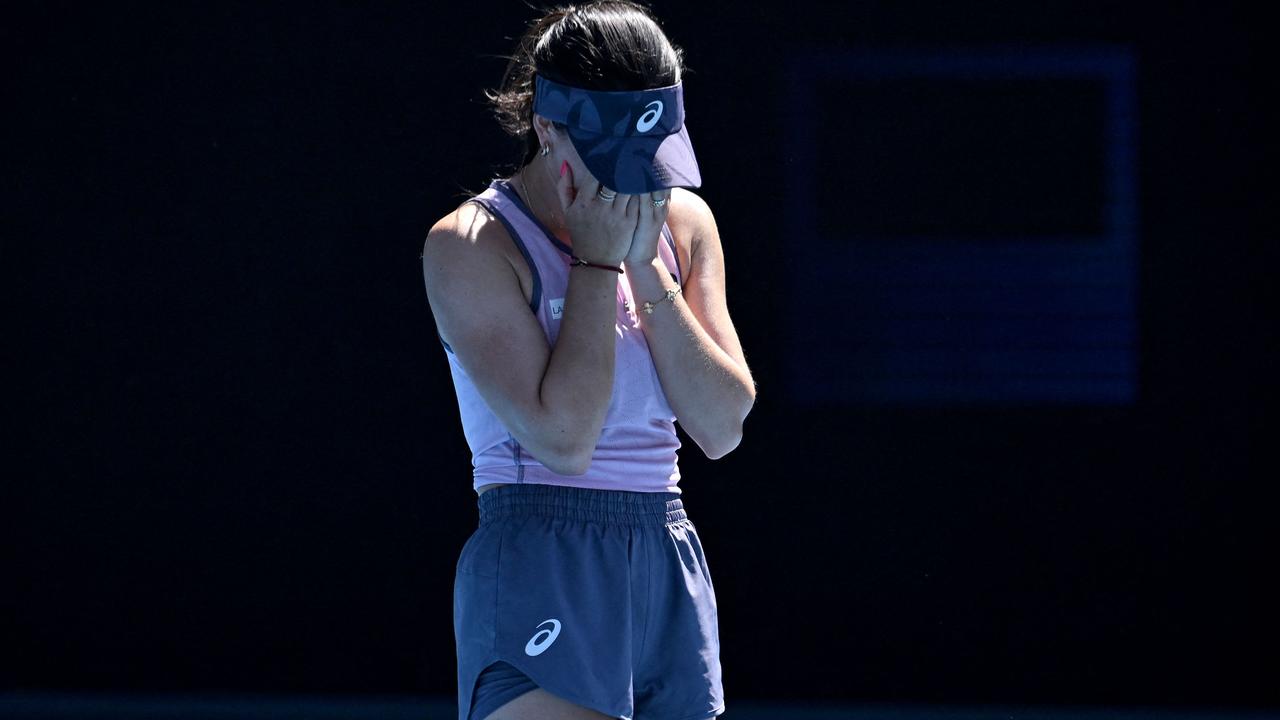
pixel 545 149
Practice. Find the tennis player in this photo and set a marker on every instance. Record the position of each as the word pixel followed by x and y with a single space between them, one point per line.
pixel 581 305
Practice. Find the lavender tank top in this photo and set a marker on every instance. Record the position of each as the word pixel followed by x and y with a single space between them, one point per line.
pixel 637 446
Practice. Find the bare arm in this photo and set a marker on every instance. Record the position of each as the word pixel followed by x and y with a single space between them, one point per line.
pixel 553 400
pixel 692 339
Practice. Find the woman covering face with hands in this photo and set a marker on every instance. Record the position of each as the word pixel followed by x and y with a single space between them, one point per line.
pixel 580 304
pixel 632 223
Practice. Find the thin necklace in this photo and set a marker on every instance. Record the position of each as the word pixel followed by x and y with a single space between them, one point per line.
pixel 527 193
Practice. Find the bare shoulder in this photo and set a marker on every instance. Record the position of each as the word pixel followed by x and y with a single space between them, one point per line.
pixel 484 319
pixel 688 199
pixel 688 216
pixel 468 225
pixel 688 210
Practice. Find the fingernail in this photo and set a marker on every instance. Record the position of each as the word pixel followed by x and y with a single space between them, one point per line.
pixel 564 166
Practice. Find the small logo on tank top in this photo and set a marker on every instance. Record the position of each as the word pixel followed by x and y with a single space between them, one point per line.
pixel 542 639
pixel 557 307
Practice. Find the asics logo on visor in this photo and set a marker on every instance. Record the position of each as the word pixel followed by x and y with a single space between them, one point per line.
pixel 650 118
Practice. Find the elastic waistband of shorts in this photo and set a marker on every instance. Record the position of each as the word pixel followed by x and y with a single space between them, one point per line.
pixel 615 507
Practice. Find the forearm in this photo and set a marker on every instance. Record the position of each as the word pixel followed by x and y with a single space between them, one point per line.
pixel 709 391
pixel 578 384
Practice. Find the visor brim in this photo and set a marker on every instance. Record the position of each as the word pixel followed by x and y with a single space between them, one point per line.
pixel 639 163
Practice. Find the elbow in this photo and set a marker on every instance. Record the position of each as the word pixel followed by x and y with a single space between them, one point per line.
pixel 575 464
pixel 574 460
pixel 566 462
pixel 726 441
pixel 568 467
pixel 722 445
pixel 565 450
pixel 559 457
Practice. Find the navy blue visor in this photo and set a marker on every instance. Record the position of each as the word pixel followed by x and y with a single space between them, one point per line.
pixel 632 141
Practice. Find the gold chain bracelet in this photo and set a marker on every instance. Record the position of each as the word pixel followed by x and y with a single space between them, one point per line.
pixel 671 295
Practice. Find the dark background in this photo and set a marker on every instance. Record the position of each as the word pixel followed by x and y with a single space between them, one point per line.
pixel 235 458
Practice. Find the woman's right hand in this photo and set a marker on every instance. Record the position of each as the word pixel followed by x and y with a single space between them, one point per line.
pixel 601 229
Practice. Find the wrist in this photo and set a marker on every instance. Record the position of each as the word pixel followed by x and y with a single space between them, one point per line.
pixel 575 261
pixel 636 262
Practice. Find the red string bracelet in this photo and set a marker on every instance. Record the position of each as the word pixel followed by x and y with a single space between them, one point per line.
pixel 579 261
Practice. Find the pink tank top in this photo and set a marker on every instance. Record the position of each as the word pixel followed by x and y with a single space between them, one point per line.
pixel 637 446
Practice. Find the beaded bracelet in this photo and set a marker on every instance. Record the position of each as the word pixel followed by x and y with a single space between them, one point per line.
pixel 579 261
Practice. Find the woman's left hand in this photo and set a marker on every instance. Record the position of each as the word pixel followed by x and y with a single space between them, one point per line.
pixel 644 243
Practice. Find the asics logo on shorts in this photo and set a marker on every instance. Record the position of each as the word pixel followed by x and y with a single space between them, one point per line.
pixel 650 117
pixel 542 639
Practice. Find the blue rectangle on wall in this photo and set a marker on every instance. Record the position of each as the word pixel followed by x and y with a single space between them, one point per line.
pixel 963 227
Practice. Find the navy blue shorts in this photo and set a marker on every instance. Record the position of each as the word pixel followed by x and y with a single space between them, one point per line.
pixel 601 597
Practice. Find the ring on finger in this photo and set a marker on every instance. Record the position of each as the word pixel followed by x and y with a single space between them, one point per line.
pixel 660 203
pixel 606 196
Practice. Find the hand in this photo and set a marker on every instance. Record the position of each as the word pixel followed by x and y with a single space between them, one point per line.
pixel 644 244
pixel 600 229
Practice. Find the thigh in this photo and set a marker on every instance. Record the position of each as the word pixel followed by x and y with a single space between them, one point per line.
pixel 547 600
pixel 678 674
pixel 538 704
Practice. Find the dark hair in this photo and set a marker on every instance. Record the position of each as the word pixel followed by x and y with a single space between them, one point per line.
pixel 602 45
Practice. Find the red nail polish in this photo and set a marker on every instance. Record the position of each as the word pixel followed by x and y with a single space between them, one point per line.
pixel 564 166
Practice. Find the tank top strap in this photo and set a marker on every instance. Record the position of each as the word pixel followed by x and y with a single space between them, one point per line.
pixel 541 243
pixel 540 246
pixel 670 256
